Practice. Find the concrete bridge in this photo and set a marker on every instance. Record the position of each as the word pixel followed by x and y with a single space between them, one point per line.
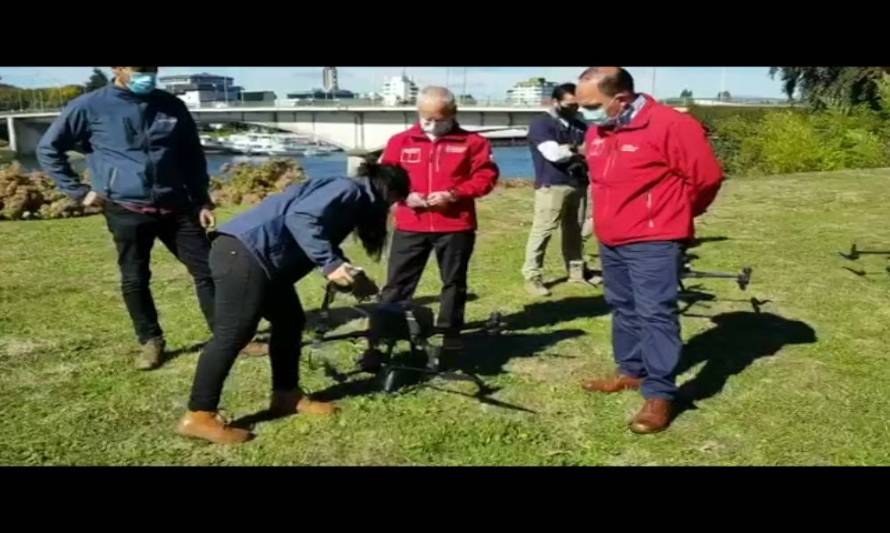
pixel 350 128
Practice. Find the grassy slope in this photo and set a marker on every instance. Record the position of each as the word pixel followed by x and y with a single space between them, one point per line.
pixel 767 393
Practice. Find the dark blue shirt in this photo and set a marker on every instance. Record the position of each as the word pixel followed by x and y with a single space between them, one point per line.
pixel 548 127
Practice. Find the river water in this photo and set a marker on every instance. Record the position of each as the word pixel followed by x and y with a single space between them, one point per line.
pixel 514 162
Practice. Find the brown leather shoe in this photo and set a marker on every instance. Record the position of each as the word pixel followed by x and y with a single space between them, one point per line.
pixel 289 402
pixel 209 425
pixel 255 349
pixel 616 383
pixel 655 416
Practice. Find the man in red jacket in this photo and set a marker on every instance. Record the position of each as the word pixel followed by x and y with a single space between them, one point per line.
pixel 652 172
pixel 449 168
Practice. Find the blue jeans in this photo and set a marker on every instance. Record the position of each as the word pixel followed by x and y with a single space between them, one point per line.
pixel 641 282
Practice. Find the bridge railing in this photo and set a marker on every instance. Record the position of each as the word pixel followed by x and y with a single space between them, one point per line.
pixel 346 104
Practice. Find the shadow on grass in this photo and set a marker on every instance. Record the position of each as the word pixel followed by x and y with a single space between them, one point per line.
pixel 704 240
pixel 487 355
pixel 483 354
pixel 184 350
pixel 552 312
pixel 692 297
pixel 737 340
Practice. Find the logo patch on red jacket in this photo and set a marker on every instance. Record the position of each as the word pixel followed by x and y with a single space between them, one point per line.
pixel 629 148
pixel 452 149
pixel 596 147
pixel 410 155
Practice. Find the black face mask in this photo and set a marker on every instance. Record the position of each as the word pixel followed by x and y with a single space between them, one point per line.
pixel 569 111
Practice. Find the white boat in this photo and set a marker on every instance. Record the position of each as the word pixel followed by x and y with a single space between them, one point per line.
pixel 282 144
pixel 211 144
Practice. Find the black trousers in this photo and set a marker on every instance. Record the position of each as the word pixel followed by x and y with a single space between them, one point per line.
pixel 407 259
pixel 134 235
pixel 244 294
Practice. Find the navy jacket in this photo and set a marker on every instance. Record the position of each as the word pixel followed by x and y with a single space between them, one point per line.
pixel 142 150
pixel 548 127
pixel 301 228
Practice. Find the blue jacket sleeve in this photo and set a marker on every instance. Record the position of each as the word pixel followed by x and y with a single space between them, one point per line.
pixel 66 132
pixel 194 160
pixel 307 219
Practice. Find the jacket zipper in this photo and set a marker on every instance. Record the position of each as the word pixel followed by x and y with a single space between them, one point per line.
pixel 429 181
pixel 609 161
pixel 146 147
pixel 649 208
pixel 111 183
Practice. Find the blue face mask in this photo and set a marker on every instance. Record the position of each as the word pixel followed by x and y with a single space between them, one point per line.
pixel 597 116
pixel 142 82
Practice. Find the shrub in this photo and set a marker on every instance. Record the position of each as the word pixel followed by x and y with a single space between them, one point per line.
pixel 32 195
pixel 785 141
pixel 248 184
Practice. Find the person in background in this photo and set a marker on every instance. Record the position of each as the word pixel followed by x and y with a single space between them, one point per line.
pixel 449 168
pixel 652 171
pixel 560 188
pixel 148 171
pixel 257 258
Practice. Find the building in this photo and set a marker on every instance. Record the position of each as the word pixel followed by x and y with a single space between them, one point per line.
pixel 399 90
pixel 201 90
pixel 321 94
pixel 532 92
pixel 258 97
pixel 329 76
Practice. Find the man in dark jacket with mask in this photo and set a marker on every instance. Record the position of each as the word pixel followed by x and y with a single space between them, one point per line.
pixel 148 171
pixel 560 187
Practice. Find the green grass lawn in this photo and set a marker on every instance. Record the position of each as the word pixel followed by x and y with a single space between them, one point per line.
pixel 805 382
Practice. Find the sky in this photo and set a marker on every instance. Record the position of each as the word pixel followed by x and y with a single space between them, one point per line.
pixel 481 82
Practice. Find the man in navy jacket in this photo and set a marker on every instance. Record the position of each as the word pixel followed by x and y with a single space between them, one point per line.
pixel 148 171
pixel 560 187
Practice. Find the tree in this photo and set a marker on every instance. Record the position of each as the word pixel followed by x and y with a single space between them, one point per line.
pixel 724 95
pixel 839 87
pixel 686 93
pixel 97 80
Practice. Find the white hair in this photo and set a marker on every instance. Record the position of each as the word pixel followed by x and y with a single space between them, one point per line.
pixel 440 94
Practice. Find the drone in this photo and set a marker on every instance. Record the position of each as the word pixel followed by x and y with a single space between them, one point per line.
pixel 390 324
pixel 743 278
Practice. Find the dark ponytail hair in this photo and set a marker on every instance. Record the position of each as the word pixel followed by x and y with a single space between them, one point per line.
pixel 390 183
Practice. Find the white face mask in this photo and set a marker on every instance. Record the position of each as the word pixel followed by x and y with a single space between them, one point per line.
pixel 436 128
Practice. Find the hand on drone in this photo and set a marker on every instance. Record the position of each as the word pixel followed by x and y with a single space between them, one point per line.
pixel 363 287
pixel 352 279
pixel 342 276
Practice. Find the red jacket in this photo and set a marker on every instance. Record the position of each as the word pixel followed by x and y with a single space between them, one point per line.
pixel 460 162
pixel 651 177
